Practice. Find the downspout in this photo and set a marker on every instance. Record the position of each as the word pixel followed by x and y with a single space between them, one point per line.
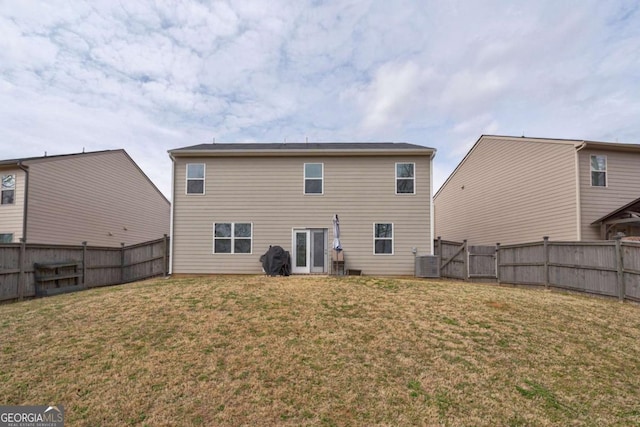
pixel 173 178
pixel 578 201
pixel 431 212
pixel 26 199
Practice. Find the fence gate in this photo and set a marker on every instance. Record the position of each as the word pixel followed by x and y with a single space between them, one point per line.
pixel 482 262
pixel 452 259
pixel 463 261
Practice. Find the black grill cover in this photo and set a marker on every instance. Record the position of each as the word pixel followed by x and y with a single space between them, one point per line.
pixel 276 261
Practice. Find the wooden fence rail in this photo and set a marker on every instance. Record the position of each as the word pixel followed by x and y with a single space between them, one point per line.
pixel 610 268
pixel 98 266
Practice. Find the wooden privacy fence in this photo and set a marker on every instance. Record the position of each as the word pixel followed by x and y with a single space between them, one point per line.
pixel 610 267
pixel 96 266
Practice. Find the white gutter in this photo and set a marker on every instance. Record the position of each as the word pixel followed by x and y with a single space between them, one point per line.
pixel 431 212
pixel 25 209
pixel 578 200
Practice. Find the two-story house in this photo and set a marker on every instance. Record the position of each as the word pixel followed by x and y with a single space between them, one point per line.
pixel 99 197
pixel 517 189
pixel 232 201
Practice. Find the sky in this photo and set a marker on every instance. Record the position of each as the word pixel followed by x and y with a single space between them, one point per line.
pixel 152 76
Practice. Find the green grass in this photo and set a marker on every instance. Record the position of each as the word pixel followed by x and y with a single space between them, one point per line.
pixel 253 350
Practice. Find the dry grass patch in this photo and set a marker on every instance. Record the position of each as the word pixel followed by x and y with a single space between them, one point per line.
pixel 323 351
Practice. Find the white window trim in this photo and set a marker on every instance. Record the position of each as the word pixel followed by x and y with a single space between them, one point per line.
pixel 9 234
pixel 15 179
pixel 606 171
pixel 232 238
pixel 397 178
pixel 304 179
pixel 187 179
pixel 392 238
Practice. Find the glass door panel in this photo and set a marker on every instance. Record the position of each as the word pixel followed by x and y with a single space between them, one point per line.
pixel 318 251
pixel 301 249
pixel 301 255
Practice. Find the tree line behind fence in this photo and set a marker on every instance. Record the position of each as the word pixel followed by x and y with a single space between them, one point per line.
pixel 82 266
pixel 610 268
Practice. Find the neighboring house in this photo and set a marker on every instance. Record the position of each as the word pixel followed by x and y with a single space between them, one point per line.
pixel 101 197
pixel 517 189
pixel 232 201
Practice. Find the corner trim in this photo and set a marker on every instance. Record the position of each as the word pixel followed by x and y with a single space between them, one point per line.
pixel 578 200
pixel 172 202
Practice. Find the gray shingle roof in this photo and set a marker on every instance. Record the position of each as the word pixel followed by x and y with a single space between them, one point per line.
pixel 51 157
pixel 304 146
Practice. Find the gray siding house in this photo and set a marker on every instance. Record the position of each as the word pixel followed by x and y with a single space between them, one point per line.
pixel 517 189
pixel 100 197
pixel 232 201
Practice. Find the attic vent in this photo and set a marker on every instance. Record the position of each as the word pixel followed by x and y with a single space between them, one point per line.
pixel 428 266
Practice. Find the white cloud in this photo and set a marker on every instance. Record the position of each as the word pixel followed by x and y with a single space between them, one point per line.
pixel 149 76
pixel 29 51
pixel 394 92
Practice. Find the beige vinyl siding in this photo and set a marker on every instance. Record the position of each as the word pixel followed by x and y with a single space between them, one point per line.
pixel 515 190
pixel 268 192
pixel 623 186
pixel 11 216
pixel 101 198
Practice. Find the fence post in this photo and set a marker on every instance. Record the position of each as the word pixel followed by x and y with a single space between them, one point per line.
pixel 84 264
pixel 122 263
pixel 465 259
pixel 498 262
pixel 165 257
pixel 545 252
pixel 439 246
pixel 22 276
pixel 620 268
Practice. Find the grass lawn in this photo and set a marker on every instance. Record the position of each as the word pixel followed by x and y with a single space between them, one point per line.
pixel 253 350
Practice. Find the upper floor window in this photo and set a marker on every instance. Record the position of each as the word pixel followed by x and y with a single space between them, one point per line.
pixel 232 237
pixel 383 239
pixel 405 178
pixel 313 178
pixel 6 237
pixel 8 191
pixel 598 171
pixel 195 178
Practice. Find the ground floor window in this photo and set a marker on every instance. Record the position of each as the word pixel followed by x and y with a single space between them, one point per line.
pixel 6 238
pixel 232 237
pixel 383 239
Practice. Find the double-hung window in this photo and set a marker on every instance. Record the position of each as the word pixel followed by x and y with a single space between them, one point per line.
pixel 598 171
pixel 232 237
pixel 8 190
pixel 383 239
pixel 313 178
pixel 195 178
pixel 6 237
pixel 405 178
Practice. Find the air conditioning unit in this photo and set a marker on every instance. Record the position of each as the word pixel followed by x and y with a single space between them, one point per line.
pixel 428 266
